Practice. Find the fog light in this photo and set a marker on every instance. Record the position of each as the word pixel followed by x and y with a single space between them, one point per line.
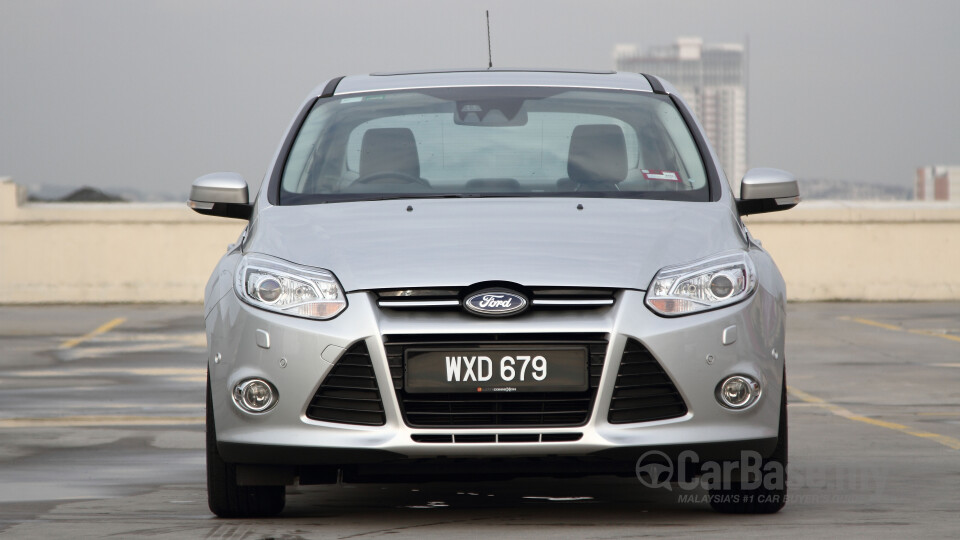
pixel 738 392
pixel 255 395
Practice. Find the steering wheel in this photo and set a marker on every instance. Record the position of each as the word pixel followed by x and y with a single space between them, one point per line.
pixel 408 178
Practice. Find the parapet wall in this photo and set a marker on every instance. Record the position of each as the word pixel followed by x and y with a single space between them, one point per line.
pixel 106 252
pixel 865 251
pixel 131 252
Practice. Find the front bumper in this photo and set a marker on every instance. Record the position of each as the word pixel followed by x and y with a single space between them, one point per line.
pixel 302 352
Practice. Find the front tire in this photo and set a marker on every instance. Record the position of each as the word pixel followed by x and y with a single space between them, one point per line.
pixel 761 499
pixel 227 499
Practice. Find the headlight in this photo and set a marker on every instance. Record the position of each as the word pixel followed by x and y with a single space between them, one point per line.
pixel 705 284
pixel 283 287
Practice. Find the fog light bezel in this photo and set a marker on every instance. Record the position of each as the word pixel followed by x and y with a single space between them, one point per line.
pixel 240 388
pixel 756 390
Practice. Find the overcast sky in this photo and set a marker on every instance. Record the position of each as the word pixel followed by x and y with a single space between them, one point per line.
pixel 150 94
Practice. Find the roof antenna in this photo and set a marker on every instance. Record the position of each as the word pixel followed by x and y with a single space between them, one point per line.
pixel 489 49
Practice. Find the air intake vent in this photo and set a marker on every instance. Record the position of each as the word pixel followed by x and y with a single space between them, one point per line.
pixel 349 394
pixel 643 391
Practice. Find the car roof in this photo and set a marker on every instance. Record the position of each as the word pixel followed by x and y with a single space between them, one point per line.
pixel 487 77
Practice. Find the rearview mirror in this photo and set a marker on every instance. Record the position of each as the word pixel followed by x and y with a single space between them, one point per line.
pixel 221 194
pixel 490 113
pixel 767 190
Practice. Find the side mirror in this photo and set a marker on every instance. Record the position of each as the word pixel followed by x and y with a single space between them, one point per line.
pixel 221 194
pixel 767 190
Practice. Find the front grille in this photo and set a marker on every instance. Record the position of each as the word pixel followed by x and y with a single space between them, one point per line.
pixel 540 298
pixel 643 391
pixel 470 410
pixel 349 394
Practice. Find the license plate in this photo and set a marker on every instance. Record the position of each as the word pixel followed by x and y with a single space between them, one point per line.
pixel 496 369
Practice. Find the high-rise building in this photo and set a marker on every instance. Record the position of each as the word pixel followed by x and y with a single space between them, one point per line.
pixel 937 183
pixel 712 78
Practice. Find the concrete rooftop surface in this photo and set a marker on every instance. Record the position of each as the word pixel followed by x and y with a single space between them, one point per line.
pixel 101 419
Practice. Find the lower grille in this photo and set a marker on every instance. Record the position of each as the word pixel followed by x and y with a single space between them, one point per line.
pixel 643 391
pixel 433 438
pixel 566 409
pixel 349 394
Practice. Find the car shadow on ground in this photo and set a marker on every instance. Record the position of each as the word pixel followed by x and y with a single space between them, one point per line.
pixel 577 499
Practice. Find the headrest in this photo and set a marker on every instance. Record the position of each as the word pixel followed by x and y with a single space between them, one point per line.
pixel 598 153
pixel 389 149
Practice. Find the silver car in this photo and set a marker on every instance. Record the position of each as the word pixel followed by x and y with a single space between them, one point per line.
pixel 493 274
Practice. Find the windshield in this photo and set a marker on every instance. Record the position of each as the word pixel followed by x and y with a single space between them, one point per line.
pixel 493 141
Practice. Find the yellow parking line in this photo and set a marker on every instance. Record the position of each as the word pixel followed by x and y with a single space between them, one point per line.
pixel 105 327
pixel 935 334
pixel 877 324
pixel 949 442
pixel 809 398
pixel 895 328
pixel 97 421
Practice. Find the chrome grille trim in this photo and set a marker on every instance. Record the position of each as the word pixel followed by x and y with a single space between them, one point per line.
pixel 539 297
pixel 574 302
pixel 417 303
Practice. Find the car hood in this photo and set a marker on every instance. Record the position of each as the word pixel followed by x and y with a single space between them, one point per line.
pixel 616 243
